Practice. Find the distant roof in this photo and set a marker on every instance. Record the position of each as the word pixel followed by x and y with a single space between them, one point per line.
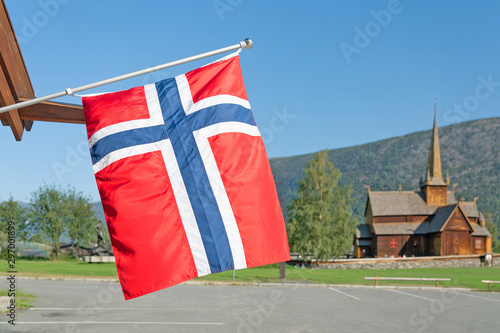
pixel 469 208
pixel 442 215
pixel 434 174
pixel 422 228
pixel 407 228
pixel 450 197
pixel 393 203
pixel 363 242
pixel 481 217
pixel 390 203
pixel 480 231
pixel 363 231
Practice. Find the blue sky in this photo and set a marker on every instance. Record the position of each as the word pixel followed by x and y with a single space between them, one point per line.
pixel 323 74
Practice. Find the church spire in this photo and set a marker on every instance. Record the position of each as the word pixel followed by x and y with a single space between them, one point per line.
pixel 434 175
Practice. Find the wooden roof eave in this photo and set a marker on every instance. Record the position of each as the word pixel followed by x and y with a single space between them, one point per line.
pixel 14 82
pixel 15 87
pixel 53 112
pixel 10 118
pixel 44 111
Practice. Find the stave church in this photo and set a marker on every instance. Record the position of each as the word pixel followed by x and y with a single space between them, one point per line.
pixel 426 222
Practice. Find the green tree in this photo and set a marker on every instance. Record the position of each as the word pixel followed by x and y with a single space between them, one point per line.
pixel 321 221
pixel 56 212
pixel 12 210
pixel 493 229
pixel 81 220
pixel 49 213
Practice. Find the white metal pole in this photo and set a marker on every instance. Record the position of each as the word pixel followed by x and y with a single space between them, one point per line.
pixel 247 43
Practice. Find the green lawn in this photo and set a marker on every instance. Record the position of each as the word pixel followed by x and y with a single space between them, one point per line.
pixel 64 268
pixel 460 277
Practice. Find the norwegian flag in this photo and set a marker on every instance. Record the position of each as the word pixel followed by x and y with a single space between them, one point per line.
pixel 184 179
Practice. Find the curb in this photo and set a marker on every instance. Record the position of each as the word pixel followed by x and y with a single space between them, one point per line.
pixel 318 285
pixel 255 284
pixel 64 279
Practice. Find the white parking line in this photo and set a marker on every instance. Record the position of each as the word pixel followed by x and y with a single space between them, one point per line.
pixel 135 309
pixel 408 294
pixel 486 299
pixel 343 293
pixel 113 322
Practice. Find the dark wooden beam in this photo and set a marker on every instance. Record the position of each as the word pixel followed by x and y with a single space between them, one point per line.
pixel 15 124
pixel 12 59
pixel 28 124
pixel 53 112
pixel 15 82
pixel 11 117
pixel 15 86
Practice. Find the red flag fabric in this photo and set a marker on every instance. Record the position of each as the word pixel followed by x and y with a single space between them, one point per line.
pixel 184 179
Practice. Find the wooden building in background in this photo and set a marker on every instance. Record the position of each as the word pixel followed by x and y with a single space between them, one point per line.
pixel 427 222
pixel 15 86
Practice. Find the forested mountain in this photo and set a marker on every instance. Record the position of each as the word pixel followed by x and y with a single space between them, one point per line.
pixel 470 153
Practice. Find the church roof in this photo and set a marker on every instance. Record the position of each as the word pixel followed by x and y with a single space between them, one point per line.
pixel 450 198
pixel 363 231
pixel 407 228
pixel 434 175
pixel 469 208
pixel 480 231
pixel 441 217
pixel 391 203
pixel 409 203
pixel 481 217
pixel 364 242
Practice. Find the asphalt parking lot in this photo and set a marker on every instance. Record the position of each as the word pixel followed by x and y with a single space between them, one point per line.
pixel 80 306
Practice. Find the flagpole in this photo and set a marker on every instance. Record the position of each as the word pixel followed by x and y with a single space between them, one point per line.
pixel 247 43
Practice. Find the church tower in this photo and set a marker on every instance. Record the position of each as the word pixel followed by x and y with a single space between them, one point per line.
pixel 434 187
